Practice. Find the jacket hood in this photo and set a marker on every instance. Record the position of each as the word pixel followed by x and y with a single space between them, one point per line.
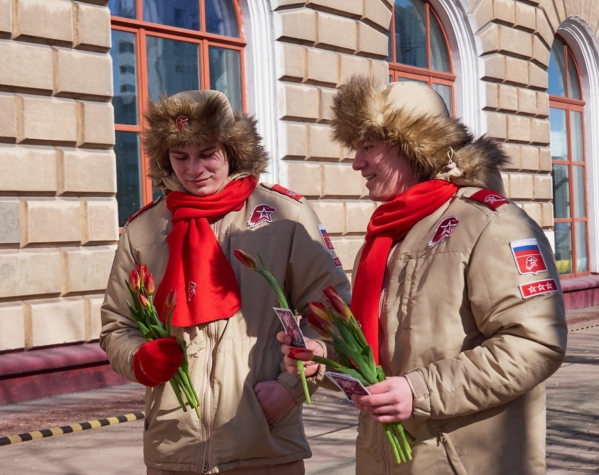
pixel 413 115
pixel 197 118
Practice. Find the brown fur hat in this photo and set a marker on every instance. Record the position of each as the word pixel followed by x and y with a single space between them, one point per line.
pixel 209 119
pixel 414 116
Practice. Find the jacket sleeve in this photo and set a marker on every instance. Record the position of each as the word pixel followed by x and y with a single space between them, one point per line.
pixel 120 337
pixel 309 270
pixel 524 339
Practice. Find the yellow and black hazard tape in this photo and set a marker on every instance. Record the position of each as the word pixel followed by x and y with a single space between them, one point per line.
pixel 42 434
pixel 583 328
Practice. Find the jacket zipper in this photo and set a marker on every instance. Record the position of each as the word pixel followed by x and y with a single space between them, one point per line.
pixel 206 402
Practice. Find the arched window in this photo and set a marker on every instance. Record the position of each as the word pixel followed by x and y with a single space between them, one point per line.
pixel 566 117
pixel 418 49
pixel 161 47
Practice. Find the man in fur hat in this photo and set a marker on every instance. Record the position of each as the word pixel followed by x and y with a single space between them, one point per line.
pixel 456 290
pixel 206 160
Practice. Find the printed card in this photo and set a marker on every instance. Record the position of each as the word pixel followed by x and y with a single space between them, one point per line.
pixel 347 384
pixel 289 322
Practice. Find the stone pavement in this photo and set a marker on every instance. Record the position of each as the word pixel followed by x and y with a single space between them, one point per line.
pixel 572 421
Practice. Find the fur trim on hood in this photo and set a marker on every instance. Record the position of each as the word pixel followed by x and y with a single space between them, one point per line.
pixel 206 117
pixel 409 114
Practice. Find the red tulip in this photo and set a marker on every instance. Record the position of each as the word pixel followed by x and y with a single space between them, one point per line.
pixel 149 286
pixel 320 310
pixel 321 326
pixel 171 298
pixel 247 260
pixel 337 303
pixel 301 354
pixel 134 281
pixel 145 303
pixel 142 270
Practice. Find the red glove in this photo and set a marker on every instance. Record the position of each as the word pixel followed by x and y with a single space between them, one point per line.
pixel 157 361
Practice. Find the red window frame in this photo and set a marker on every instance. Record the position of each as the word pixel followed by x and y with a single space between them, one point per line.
pixel 428 75
pixel 572 105
pixel 141 29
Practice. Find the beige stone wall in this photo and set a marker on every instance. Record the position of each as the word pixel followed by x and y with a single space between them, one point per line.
pixel 516 37
pixel 320 44
pixel 58 211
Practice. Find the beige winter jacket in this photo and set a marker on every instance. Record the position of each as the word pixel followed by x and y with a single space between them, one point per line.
pixel 474 350
pixel 227 357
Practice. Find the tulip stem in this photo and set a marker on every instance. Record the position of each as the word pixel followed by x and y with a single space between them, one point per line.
pixel 300 367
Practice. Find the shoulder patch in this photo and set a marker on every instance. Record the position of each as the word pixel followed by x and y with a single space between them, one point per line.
pixel 539 287
pixel 145 208
pixel 286 192
pixel 490 198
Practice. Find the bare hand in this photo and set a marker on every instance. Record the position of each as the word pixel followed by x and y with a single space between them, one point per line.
pixel 310 367
pixel 275 399
pixel 389 401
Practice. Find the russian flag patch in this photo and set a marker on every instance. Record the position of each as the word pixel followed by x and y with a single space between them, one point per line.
pixel 539 287
pixel 528 257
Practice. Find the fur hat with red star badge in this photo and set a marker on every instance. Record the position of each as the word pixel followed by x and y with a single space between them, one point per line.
pixel 198 118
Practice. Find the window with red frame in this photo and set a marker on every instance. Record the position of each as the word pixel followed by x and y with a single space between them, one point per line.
pixel 418 49
pixel 566 118
pixel 161 47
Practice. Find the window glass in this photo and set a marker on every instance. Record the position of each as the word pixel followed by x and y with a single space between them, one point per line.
pixel 124 77
pixel 225 74
pixel 561 191
pixel 439 53
pixel 558 137
pixel 445 92
pixel 173 66
pixel 221 18
pixel 576 136
pixel 178 13
pixel 122 8
pixel 556 70
pixel 563 248
pixel 410 33
pixel 573 82
pixel 578 184
pixel 582 261
pixel 128 176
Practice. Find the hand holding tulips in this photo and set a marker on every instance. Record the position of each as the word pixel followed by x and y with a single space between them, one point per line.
pixel 293 355
pixel 388 402
pixel 163 357
pixel 249 262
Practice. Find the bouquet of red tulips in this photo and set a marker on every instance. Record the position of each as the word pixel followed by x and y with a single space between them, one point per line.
pixel 336 323
pixel 141 286
pixel 249 262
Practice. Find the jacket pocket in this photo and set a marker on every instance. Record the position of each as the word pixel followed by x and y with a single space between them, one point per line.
pixel 454 459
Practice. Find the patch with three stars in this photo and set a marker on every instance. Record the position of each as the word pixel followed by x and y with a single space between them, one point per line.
pixel 539 287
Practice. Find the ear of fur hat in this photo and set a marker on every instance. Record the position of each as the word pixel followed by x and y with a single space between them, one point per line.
pixel 200 118
pixel 414 116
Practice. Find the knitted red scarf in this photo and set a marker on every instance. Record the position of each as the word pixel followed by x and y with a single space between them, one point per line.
pixel 197 268
pixel 389 224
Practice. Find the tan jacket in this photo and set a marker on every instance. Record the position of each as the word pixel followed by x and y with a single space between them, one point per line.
pixel 227 357
pixel 474 351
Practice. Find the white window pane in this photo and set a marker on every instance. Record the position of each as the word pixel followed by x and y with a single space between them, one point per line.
pixel 582 261
pixel 576 136
pixel 579 201
pixel 559 138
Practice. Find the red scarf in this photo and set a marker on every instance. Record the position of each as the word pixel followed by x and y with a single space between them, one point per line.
pixel 389 224
pixel 197 268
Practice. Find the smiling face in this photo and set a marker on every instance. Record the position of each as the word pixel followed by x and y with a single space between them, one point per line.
pixel 203 169
pixel 387 170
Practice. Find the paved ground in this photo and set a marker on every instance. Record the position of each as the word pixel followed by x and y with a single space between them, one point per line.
pixel 572 421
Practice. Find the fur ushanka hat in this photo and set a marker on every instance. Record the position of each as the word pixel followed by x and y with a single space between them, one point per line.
pixel 201 117
pixel 414 116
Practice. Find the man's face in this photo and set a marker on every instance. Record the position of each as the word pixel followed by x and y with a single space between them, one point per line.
pixel 203 169
pixel 387 170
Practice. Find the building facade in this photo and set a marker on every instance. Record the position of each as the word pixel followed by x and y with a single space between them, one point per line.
pixel 75 77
